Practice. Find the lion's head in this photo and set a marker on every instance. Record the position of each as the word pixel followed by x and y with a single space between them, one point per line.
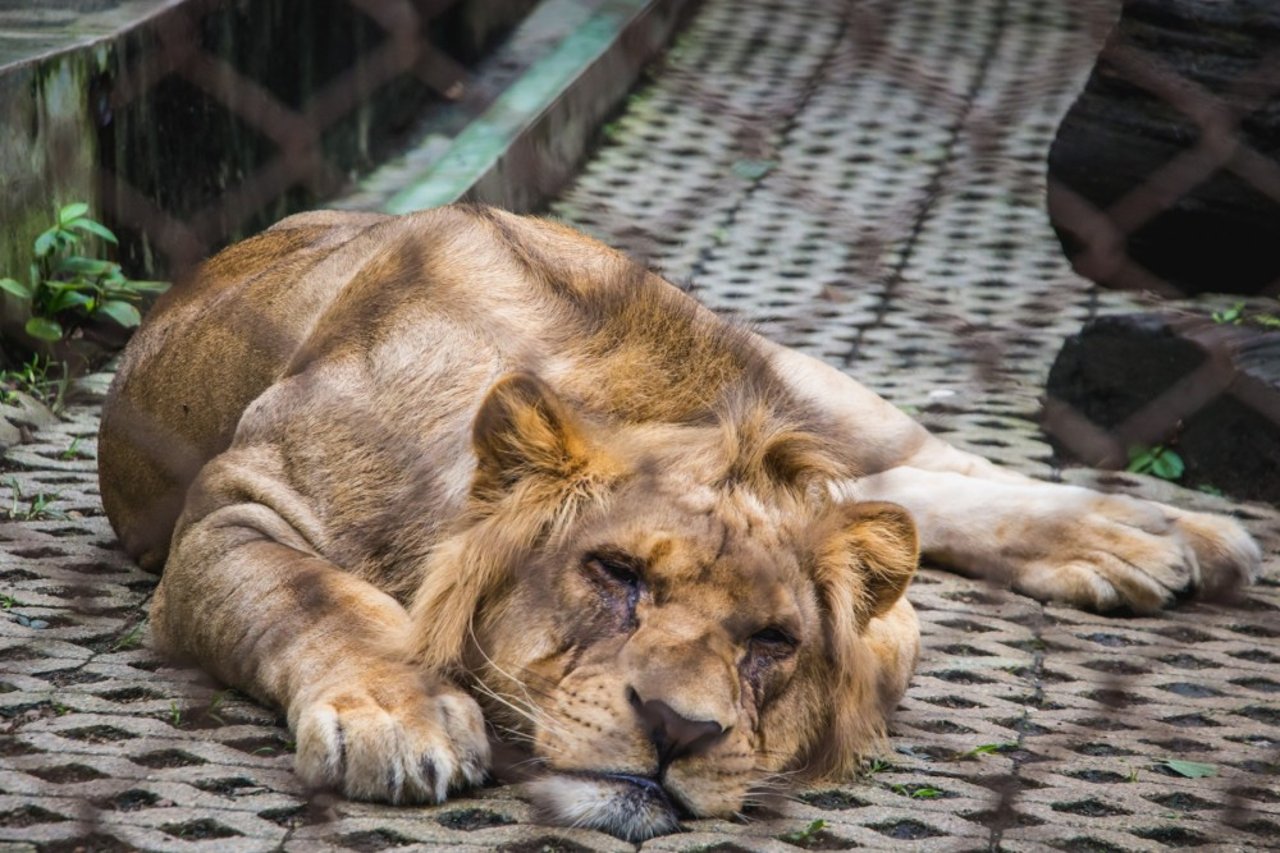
pixel 671 617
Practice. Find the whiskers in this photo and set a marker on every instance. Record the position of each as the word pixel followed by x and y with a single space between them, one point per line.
pixel 524 707
pixel 771 790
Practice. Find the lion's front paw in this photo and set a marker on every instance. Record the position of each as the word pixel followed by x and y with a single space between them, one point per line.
pixel 395 740
pixel 1124 552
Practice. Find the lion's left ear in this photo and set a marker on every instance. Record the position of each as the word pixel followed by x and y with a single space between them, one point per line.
pixel 865 556
pixel 523 428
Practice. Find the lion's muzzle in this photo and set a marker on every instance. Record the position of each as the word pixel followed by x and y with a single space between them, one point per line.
pixel 629 805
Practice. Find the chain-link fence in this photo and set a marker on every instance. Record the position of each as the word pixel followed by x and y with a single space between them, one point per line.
pixel 864 181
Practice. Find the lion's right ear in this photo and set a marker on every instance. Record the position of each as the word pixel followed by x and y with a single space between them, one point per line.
pixel 867 553
pixel 523 429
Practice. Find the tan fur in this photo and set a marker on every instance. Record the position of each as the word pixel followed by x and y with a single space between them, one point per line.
pixel 465 455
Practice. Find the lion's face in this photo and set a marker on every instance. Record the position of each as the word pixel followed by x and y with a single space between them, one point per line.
pixel 681 637
pixel 663 642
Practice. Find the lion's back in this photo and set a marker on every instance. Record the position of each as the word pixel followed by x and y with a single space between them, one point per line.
pixel 456 294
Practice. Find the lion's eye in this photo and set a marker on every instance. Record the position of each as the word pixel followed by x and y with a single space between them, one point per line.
pixel 769 651
pixel 615 570
pixel 775 640
pixel 619 585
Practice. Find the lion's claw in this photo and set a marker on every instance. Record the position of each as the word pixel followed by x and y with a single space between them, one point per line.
pixel 395 743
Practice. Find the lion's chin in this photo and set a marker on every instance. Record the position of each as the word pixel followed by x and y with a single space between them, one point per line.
pixel 632 808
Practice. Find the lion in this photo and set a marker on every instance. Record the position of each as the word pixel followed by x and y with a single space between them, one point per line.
pixel 422 481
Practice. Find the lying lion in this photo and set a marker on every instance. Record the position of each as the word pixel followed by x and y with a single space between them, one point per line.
pixel 398 470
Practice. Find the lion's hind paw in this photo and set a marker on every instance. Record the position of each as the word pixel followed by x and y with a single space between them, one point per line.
pixel 1228 557
pixel 396 744
pixel 1125 553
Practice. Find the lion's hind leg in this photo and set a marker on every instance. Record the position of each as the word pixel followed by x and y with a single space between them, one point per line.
pixel 1051 541
pixel 246 596
pixel 1066 543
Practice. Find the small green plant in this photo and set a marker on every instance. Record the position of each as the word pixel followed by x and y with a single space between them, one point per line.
pixel 175 715
pixel 916 792
pixel 876 765
pixel 65 289
pixel 1232 316
pixel 801 836
pixel 131 640
pixel 986 749
pixel 216 702
pixel 73 451
pixel 8 602
pixel 1156 460
pixel 1236 315
pixel 31 507
pixel 37 377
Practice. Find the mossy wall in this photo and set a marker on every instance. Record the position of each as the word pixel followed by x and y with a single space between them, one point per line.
pixel 276 105
pixel 48 156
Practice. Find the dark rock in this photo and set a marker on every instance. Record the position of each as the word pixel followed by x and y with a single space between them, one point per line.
pixel 1158 171
pixel 1210 391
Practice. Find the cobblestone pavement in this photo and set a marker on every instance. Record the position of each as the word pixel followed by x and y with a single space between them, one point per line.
pixel 864 182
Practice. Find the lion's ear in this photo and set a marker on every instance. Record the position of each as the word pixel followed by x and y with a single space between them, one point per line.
pixel 524 429
pixel 866 555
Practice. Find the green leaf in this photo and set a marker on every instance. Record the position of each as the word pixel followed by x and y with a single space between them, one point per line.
pixel 987 749
pixel 1190 769
pixel 1141 458
pixel 44 328
pixel 67 299
pixel 45 242
pixel 1270 321
pixel 1229 315
pixel 85 266
pixel 122 312
pixel 15 287
pixel 148 286
pixel 72 211
pixel 753 170
pixel 1168 465
pixel 800 836
pixel 119 293
pixel 97 229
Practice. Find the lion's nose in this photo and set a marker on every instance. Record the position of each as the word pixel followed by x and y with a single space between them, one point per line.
pixel 672 735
